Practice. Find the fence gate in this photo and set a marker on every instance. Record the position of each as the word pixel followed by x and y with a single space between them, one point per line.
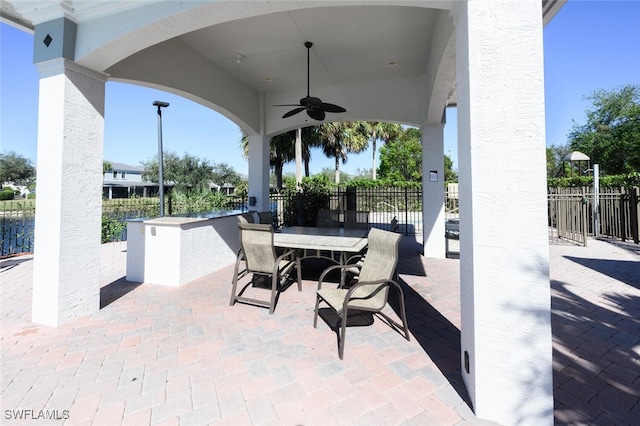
pixel 568 216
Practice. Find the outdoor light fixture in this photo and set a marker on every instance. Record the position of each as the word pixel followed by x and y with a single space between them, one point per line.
pixel 160 104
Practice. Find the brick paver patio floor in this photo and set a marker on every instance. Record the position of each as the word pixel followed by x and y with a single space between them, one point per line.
pixel 183 356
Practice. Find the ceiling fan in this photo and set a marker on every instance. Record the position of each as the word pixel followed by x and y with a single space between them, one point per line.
pixel 315 108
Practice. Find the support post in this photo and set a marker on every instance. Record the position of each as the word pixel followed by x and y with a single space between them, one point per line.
pixel 433 221
pixel 259 146
pixel 66 270
pixel 596 200
pixel 506 352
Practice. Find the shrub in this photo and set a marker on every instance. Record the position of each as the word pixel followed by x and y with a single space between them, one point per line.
pixel 624 180
pixel 7 194
pixel 112 229
pixel 314 195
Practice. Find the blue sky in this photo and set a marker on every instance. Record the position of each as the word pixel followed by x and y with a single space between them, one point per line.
pixel 589 45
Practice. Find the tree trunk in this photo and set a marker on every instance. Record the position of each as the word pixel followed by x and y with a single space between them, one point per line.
pixel 278 170
pixel 374 141
pixel 298 157
pixel 373 164
pixel 337 170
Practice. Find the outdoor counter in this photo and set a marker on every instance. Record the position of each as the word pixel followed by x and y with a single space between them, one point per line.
pixel 173 251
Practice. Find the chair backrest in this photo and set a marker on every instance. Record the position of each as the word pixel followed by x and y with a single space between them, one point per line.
pixel 256 241
pixel 356 219
pixel 379 263
pixel 328 218
pixel 246 218
pixel 266 218
pixel 394 224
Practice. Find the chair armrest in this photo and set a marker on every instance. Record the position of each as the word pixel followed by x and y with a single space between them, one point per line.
pixel 287 253
pixel 332 268
pixel 355 256
pixel 385 283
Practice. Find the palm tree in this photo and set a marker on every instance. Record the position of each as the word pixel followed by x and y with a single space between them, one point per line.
pixel 380 131
pixel 340 138
pixel 310 138
pixel 282 150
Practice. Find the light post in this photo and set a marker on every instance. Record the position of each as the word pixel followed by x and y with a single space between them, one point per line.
pixel 160 104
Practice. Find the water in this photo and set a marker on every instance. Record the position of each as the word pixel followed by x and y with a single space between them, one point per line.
pixel 18 231
pixel 17 234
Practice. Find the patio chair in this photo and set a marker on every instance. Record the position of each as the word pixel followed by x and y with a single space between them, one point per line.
pixel 246 218
pixel 259 254
pixel 328 218
pixel 394 224
pixel 265 218
pixel 371 290
pixel 356 219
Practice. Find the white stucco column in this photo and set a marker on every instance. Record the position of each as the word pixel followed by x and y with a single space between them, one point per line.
pixel 66 274
pixel 504 272
pixel 259 147
pixel 433 190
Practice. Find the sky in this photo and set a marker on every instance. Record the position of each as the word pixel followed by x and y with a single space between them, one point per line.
pixel 589 45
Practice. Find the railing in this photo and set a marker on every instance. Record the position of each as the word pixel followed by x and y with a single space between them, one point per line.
pixel 571 214
pixel 568 218
pixel 404 204
pixel 17 219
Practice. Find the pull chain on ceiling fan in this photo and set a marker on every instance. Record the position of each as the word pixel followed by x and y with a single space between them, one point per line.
pixel 315 108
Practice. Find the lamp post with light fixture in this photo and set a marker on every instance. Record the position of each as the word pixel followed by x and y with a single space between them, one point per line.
pixel 160 105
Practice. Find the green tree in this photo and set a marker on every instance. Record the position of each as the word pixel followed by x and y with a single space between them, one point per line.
pixel 401 159
pixel 187 172
pixel 341 138
pixel 380 131
pixel 556 167
pixel 611 134
pixel 15 168
pixel 223 173
pixel 450 175
pixel 310 139
pixel 281 151
pixel 106 166
pixel 330 174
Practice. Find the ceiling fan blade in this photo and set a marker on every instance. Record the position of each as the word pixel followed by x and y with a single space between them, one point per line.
pixel 293 112
pixel 332 108
pixel 316 114
pixel 315 107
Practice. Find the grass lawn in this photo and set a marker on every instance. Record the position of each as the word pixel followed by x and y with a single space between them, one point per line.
pixel 17 204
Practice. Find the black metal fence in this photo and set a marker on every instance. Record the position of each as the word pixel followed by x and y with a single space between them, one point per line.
pixel 383 205
pixel 17 221
pixel 571 214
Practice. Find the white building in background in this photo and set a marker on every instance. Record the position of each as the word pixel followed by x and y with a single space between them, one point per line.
pixel 21 189
pixel 124 181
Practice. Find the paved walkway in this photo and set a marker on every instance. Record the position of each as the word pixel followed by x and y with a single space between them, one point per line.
pixel 167 356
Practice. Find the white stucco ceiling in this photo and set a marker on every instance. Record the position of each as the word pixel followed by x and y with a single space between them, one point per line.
pixel 351 44
pixel 381 60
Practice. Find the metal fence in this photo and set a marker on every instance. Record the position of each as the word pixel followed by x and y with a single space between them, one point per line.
pixel 574 214
pixel 571 217
pixel 17 220
pixel 383 205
